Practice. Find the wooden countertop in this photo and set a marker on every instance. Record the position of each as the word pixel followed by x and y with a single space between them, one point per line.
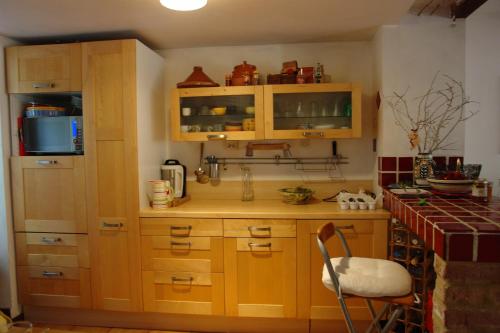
pixel 198 208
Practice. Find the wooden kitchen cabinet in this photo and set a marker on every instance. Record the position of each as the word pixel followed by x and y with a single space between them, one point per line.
pixel 301 111
pixel 366 238
pixel 44 68
pixel 201 125
pixel 260 271
pixel 49 194
pixel 122 99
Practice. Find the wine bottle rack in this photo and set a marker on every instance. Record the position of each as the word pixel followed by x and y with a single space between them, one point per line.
pixel 407 249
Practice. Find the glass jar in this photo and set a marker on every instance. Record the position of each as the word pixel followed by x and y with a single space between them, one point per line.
pixel 480 190
pixel 247 184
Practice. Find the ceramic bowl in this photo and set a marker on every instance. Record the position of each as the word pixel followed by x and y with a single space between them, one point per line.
pixel 219 111
pixel 250 110
pixel 451 186
pixel 296 195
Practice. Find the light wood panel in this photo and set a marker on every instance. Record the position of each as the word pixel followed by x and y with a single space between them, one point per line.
pixel 365 238
pixel 184 292
pixel 49 197
pixel 271 90
pixel 175 112
pixel 54 286
pixel 44 68
pixel 182 254
pixel 259 228
pixel 181 227
pixel 260 281
pixel 48 249
pixel 109 88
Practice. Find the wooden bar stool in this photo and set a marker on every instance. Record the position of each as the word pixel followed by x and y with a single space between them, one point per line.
pixel 366 278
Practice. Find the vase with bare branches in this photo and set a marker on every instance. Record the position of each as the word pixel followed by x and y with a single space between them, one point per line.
pixel 430 119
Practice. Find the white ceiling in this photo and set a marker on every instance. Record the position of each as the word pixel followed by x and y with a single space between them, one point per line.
pixel 221 22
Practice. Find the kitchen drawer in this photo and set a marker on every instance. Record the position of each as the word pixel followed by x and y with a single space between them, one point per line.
pixel 181 227
pixel 182 254
pixel 348 227
pixel 54 286
pixel 49 249
pixel 262 228
pixel 183 293
pixel 48 162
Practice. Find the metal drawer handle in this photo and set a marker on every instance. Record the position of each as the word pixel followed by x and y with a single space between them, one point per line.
pixel 345 227
pixel 174 227
pixel 52 274
pixel 310 134
pixel 252 244
pixel 112 225
pixel 46 162
pixel 216 137
pixel 38 85
pixel 173 243
pixel 51 240
pixel 252 229
pixel 180 279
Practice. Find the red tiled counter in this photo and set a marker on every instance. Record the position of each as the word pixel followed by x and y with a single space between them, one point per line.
pixel 456 229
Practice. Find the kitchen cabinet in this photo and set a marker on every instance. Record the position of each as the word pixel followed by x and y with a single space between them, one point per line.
pixel 49 194
pixel 182 266
pixel 44 68
pixel 122 102
pixel 299 111
pixel 260 268
pixel 192 117
pixel 289 111
pixel 366 238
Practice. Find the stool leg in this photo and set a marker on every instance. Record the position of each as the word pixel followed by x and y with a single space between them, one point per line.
pixel 347 316
pixel 392 319
pixel 373 315
pixel 377 318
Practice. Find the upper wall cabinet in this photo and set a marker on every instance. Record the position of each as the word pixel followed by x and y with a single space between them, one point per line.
pixel 267 112
pixel 294 111
pixel 233 113
pixel 44 68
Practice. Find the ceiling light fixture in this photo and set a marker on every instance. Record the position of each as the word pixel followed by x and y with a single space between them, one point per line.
pixel 184 5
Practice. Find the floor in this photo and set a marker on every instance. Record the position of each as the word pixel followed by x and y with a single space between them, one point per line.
pixel 48 328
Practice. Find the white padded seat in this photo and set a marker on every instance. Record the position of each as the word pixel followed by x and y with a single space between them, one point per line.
pixel 368 277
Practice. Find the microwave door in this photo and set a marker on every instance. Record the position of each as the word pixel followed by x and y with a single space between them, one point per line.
pixel 47 135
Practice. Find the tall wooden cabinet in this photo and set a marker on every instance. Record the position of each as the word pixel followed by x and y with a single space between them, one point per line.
pixel 112 95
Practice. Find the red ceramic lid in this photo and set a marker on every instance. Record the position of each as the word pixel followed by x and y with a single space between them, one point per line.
pixel 197 79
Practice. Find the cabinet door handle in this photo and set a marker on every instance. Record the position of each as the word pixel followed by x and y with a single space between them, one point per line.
pixel 51 240
pixel 111 225
pixel 253 229
pixel 252 244
pixel 311 134
pixel 182 279
pixel 46 162
pixel 346 227
pixel 185 230
pixel 52 274
pixel 38 85
pixel 216 137
pixel 174 243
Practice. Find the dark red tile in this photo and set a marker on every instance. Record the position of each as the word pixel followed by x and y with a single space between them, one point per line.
pixel 420 230
pixel 472 219
pixel 405 164
pixel 388 163
pixel 405 177
pixel 486 227
pixel 440 162
pixel 460 213
pixel 439 242
pixel 446 219
pixel 460 247
pixel 388 178
pixel 429 233
pixel 476 208
pixel 452 162
pixel 488 249
pixel 427 213
pixel 453 227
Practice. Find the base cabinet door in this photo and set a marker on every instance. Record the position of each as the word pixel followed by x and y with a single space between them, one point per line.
pixel 260 277
pixel 183 292
pixel 365 238
pixel 49 194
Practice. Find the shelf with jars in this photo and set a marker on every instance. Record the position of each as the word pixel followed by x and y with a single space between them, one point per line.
pixel 297 111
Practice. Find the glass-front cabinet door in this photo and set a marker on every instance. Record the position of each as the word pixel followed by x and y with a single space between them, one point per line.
pixel 232 113
pixel 298 111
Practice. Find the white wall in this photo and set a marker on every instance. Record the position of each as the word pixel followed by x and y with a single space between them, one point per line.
pixel 344 61
pixel 407 56
pixel 8 297
pixel 482 74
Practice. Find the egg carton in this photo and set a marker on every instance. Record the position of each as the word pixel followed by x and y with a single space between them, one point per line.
pixel 355 201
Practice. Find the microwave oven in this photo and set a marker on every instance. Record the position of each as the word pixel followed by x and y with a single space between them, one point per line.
pixel 53 135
